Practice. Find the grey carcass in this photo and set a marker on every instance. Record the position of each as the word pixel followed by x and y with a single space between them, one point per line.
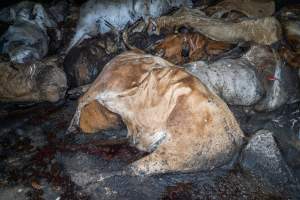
pixel 98 16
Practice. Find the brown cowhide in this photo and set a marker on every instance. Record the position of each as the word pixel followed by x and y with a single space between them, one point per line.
pixel 168 113
pixel 188 47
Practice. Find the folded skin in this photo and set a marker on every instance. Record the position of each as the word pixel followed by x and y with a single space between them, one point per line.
pixel 198 47
pixel 168 113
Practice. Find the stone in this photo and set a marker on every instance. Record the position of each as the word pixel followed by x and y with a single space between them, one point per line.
pixel 262 158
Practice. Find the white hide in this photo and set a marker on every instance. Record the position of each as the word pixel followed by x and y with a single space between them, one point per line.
pixel 235 81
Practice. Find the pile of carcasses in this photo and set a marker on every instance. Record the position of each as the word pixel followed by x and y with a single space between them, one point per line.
pixel 167 73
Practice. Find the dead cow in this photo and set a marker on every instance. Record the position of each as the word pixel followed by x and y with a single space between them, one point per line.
pixel 168 113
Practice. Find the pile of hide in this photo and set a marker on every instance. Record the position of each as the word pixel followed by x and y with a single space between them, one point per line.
pixel 166 73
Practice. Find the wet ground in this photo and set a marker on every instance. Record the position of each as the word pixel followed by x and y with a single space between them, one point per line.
pixel 38 161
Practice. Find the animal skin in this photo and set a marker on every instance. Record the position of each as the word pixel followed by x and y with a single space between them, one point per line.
pixel 84 62
pixel 264 31
pixel 250 8
pixel 234 80
pixel 34 82
pixel 197 47
pixel 257 78
pixel 100 16
pixel 167 111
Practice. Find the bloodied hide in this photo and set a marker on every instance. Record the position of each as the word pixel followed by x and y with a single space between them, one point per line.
pixel 168 113
pixel 98 16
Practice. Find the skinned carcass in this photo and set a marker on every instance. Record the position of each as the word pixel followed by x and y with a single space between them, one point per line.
pixel 98 16
pixel 34 82
pixel 264 31
pixel 188 47
pixel 168 113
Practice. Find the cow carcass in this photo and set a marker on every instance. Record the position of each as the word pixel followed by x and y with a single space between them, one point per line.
pixel 168 113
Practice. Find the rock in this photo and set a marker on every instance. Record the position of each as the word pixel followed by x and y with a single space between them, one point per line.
pixel 94 167
pixel 165 110
pixel 262 158
pixel 36 82
pixel 188 47
pixel 96 15
pixel 86 170
pixel 84 62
